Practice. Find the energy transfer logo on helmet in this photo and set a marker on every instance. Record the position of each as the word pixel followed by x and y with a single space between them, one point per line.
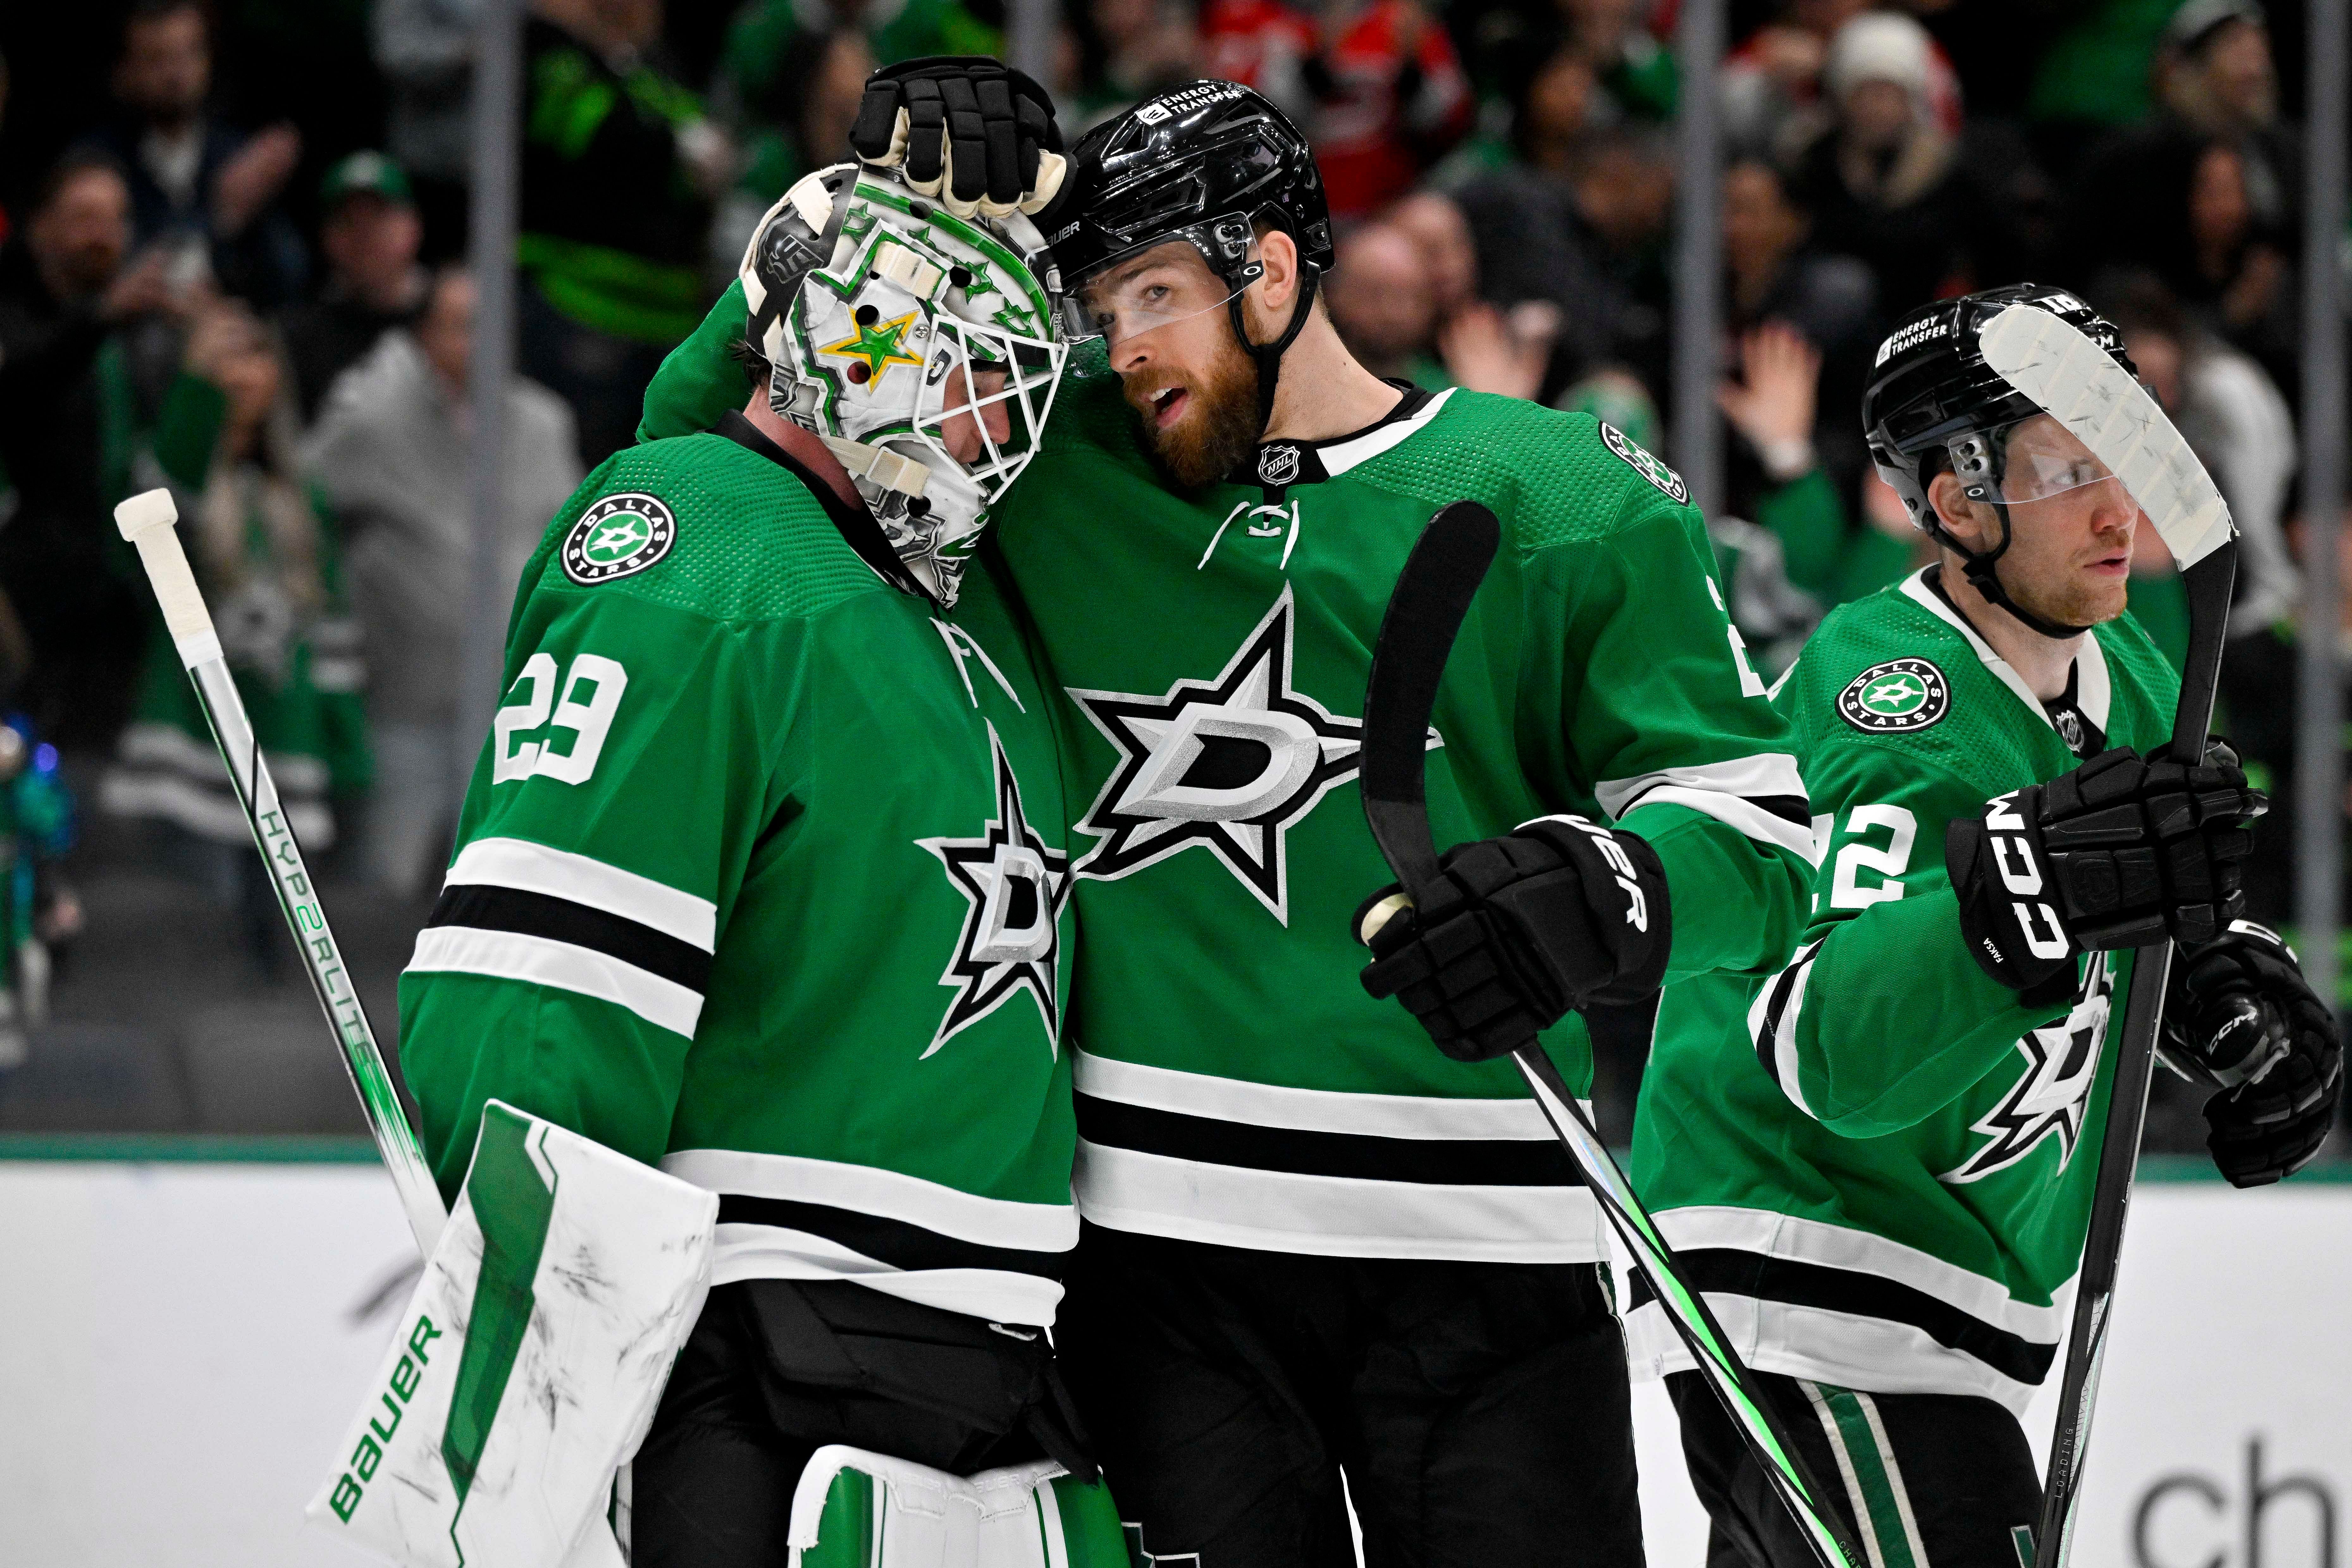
pixel 898 331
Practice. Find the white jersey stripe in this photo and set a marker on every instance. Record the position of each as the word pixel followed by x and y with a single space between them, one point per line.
pixel 1308 1109
pixel 1765 773
pixel 773 1252
pixel 1842 1348
pixel 1764 826
pixel 559 873
pixel 1777 1005
pixel 1334 1216
pixel 1801 1240
pixel 542 960
pixel 966 1216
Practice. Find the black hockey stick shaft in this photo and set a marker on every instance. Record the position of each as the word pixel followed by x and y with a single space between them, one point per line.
pixel 2209 582
pixel 1425 612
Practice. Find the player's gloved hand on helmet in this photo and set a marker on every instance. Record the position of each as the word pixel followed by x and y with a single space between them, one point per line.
pixel 2241 1019
pixel 975 133
pixel 1558 915
pixel 2120 852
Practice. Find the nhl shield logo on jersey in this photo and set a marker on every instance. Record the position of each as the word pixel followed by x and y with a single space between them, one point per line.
pixel 617 536
pixel 1896 698
pixel 1668 481
pixel 1277 464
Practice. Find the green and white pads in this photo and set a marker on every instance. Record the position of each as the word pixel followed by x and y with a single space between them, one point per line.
pixel 2081 387
pixel 859 1510
pixel 526 1367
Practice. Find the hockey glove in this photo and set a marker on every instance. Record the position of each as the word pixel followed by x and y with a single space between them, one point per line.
pixel 978 135
pixel 2120 852
pixel 1558 915
pixel 2242 1020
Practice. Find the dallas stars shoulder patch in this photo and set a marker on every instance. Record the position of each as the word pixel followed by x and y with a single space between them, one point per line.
pixel 1630 451
pixel 618 536
pixel 1896 698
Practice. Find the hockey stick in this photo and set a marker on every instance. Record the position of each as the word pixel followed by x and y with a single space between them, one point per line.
pixel 2079 386
pixel 146 520
pixel 1433 593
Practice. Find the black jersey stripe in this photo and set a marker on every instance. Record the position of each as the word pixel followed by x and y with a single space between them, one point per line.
pixel 1794 808
pixel 1730 1272
pixel 1768 1035
pixel 488 907
pixel 1449 1162
pixel 897 1242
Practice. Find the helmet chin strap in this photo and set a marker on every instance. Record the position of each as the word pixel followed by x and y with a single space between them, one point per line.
pixel 1977 567
pixel 1268 356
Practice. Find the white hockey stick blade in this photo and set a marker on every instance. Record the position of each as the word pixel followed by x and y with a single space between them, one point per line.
pixel 2051 362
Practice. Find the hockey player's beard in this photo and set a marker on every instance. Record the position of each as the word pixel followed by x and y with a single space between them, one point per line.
pixel 1217 432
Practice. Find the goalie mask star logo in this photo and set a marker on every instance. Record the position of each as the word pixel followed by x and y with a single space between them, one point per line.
pixel 2048 1099
pixel 1229 765
pixel 1016 886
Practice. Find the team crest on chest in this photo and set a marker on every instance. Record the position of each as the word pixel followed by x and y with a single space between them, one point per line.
pixel 1011 942
pixel 1229 765
pixel 2048 1099
pixel 1896 698
pixel 618 536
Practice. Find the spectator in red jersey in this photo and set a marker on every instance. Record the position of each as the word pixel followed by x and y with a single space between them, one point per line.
pixel 1375 84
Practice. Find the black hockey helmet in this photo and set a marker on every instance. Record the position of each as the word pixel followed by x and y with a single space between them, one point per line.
pixel 1932 403
pixel 1188 165
pixel 1204 162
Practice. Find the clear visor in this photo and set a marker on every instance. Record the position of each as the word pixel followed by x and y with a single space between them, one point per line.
pixel 1166 285
pixel 2039 460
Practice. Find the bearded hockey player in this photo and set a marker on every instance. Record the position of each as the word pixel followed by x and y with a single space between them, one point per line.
pixel 1313 1244
pixel 1879 1164
pixel 763 878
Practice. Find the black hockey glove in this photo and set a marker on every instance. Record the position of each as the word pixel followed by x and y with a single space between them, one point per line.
pixel 1558 915
pixel 977 135
pixel 2120 852
pixel 2241 1019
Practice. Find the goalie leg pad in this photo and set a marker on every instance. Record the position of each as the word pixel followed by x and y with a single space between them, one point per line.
pixel 859 1510
pixel 528 1364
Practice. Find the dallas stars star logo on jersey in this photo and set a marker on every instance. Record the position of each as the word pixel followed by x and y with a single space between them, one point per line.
pixel 617 536
pixel 1011 942
pixel 877 345
pixel 2048 1099
pixel 1229 765
pixel 1896 698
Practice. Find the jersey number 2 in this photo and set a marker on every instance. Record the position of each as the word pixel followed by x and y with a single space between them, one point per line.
pixel 592 692
pixel 1846 892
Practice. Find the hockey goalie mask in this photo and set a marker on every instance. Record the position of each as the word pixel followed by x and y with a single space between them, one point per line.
pixel 923 347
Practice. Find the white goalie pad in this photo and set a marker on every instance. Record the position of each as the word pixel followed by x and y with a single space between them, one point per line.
pixel 526 1367
pixel 859 1509
pixel 2081 386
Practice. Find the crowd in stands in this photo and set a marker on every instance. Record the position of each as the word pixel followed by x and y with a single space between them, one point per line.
pixel 234 232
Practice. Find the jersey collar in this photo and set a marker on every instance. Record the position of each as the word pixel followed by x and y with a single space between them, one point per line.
pixel 2094 691
pixel 855 523
pixel 1278 465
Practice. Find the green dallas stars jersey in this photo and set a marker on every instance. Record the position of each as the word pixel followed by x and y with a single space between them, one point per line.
pixel 1878 1164
pixel 1235 1083
pixel 763 878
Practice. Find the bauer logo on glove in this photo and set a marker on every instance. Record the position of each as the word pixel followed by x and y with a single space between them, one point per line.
pixel 1562 914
